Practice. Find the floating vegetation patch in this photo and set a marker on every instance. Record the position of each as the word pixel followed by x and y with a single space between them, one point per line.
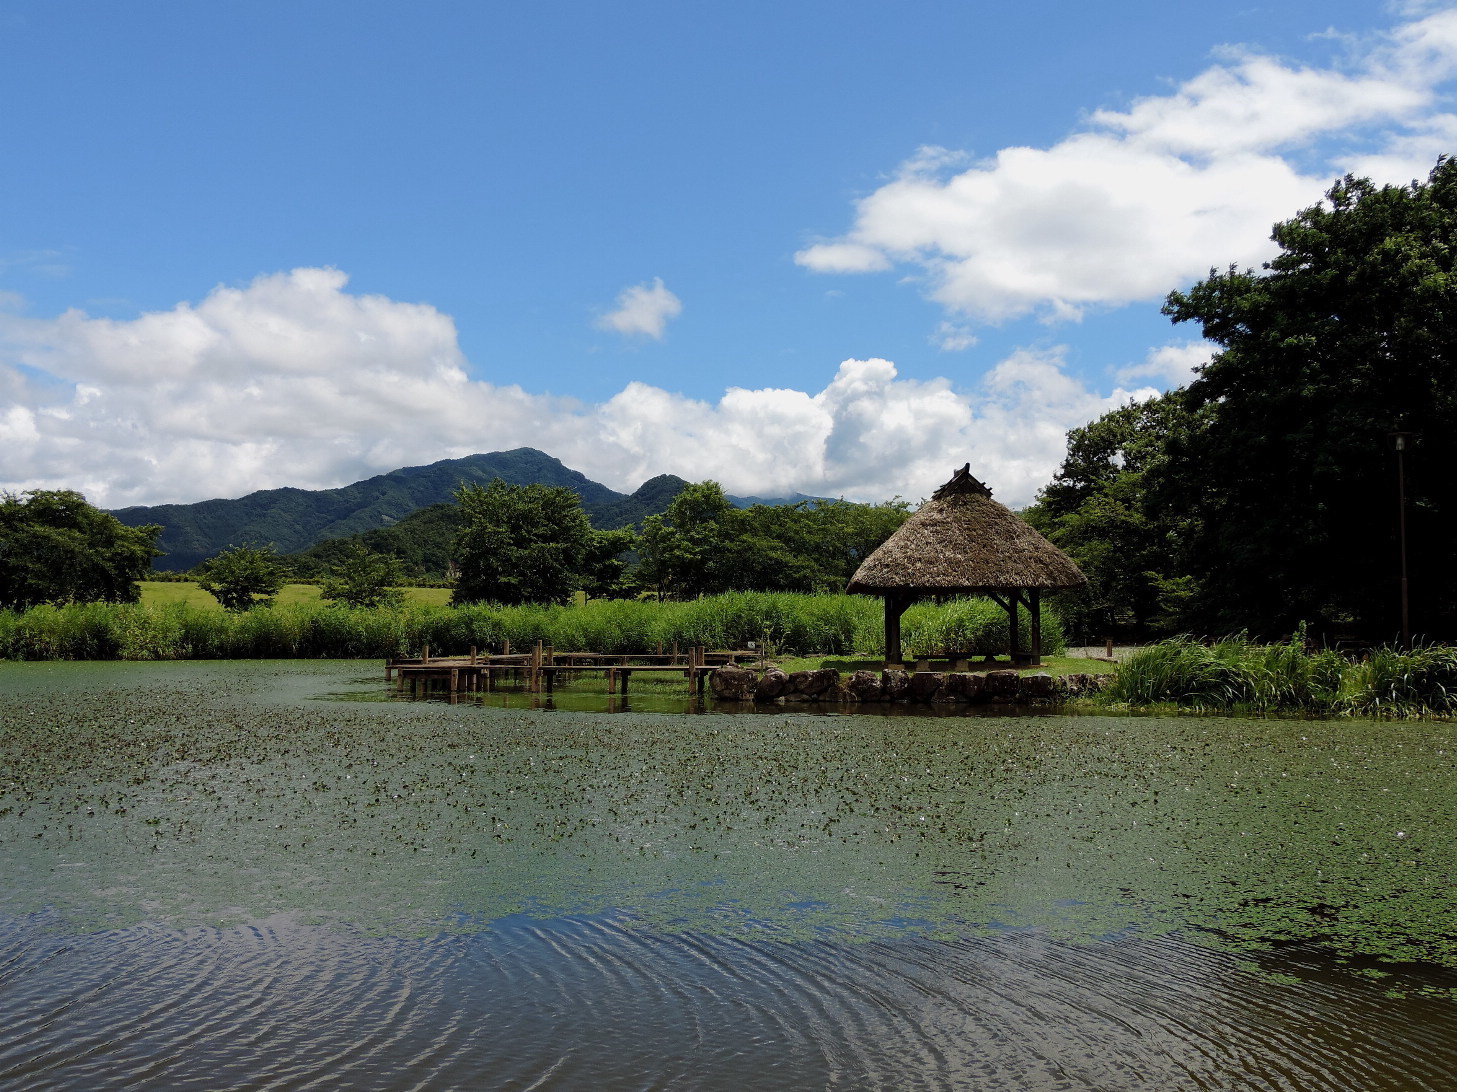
pixel 207 794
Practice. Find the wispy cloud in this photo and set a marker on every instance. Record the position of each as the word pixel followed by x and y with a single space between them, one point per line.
pixel 643 310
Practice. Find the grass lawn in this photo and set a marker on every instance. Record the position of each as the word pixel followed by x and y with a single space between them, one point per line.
pixel 1053 665
pixel 156 593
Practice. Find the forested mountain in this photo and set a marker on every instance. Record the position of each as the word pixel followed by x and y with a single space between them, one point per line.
pixel 296 519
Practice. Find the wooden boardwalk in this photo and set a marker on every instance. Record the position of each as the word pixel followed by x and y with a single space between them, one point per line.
pixel 543 667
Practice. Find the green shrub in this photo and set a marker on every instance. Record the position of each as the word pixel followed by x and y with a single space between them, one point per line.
pixel 1422 682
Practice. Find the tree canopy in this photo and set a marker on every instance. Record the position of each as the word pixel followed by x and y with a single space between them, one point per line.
pixel 1265 494
pixel 1095 509
pixel 362 578
pixel 56 548
pixel 243 577
pixel 520 544
pixel 703 544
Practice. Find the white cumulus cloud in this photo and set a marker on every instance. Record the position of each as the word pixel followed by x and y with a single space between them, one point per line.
pixel 643 310
pixel 1142 200
pixel 1170 365
pixel 292 380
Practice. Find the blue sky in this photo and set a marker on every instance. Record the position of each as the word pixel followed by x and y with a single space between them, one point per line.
pixel 834 248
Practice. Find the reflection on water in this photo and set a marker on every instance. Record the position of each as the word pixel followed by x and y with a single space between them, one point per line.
pixel 208 876
pixel 589 694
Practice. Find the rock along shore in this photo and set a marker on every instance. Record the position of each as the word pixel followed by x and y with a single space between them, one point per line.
pixel 732 683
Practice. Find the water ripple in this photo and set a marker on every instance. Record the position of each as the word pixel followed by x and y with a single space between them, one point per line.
pixel 604 1002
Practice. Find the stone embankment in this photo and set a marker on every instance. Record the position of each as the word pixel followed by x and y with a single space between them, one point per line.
pixel 731 683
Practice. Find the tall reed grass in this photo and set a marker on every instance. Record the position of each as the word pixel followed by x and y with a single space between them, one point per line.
pixel 974 627
pixel 1236 674
pixel 790 623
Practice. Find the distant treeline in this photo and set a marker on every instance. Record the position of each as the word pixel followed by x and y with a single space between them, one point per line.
pixel 488 542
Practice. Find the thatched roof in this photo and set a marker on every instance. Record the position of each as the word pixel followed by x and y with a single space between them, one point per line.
pixel 962 541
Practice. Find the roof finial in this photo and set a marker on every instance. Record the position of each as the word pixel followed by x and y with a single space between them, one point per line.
pixel 962 484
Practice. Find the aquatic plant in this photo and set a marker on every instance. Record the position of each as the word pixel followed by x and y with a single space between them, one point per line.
pixel 1233 673
pixel 1421 682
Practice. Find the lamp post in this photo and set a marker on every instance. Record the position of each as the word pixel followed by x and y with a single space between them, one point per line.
pixel 1401 438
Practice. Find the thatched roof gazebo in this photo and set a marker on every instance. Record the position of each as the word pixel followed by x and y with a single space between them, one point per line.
pixel 961 542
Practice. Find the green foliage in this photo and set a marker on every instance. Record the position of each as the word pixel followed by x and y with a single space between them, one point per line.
pixel 243 577
pixel 56 548
pixel 421 542
pixel 364 579
pixel 1237 674
pixel 1266 492
pixel 606 565
pixel 788 622
pixel 703 545
pixel 1422 682
pixel 295 519
pixel 520 544
pixel 973 627
pixel 1096 509
pixel 1287 477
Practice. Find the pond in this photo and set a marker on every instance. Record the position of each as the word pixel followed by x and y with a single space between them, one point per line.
pixel 221 875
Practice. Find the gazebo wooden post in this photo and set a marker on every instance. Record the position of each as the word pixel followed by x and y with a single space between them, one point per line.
pixel 895 605
pixel 1012 595
pixel 1034 604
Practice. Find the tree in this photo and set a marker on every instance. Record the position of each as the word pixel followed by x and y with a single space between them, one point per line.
pixel 1096 510
pixel 606 565
pixel 683 551
pixel 1287 477
pixel 520 544
pixel 56 548
pixel 362 578
pixel 703 544
pixel 243 577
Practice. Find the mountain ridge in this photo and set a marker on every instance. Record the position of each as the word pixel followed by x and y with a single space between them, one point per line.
pixel 295 519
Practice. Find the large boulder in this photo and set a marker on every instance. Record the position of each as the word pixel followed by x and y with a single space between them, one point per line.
pixel 1036 686
pixel 924 685
pixel 733 683
pixel 772 684
pixel 1083 685
pixel 864 686
pixel 894 683
pixel 963 686
pixel 814 684
pixel 1001 686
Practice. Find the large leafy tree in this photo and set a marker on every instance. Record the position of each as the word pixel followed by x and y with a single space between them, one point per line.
pixel 1096 509
pixel 520 544
pixel 1287 479
pixel 363 578
pixel 683 552
pixel 703 544
pixel 243 577
pixel 56 548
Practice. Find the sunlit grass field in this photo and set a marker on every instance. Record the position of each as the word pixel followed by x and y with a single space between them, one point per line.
pixel 160 593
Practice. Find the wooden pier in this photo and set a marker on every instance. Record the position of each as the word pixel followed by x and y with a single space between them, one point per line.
pixel 540 669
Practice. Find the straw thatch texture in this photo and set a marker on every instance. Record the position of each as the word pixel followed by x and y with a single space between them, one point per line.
pixel 962 541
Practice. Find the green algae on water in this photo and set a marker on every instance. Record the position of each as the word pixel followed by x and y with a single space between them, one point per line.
pixel 208 794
